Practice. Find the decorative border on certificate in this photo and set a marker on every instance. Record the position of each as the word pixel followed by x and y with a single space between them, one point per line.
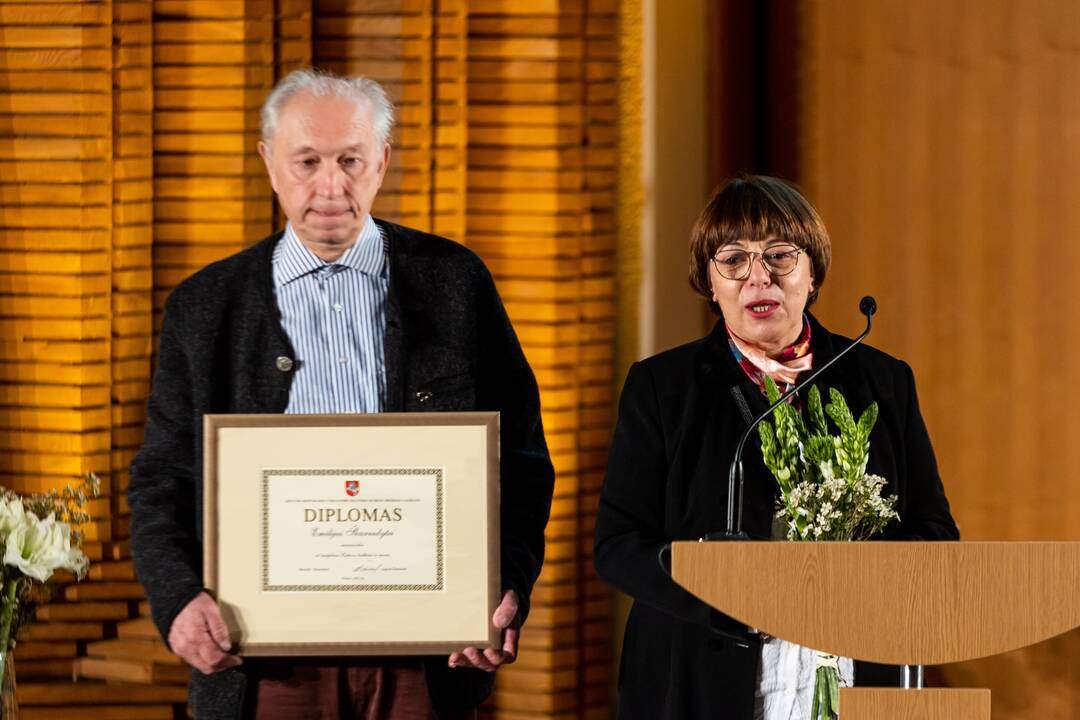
pixel 353 536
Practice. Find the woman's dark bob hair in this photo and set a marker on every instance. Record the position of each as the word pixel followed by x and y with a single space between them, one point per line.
pixel 755 207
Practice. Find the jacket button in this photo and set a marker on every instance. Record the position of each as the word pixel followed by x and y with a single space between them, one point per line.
pixel 283 363
pixel 423 396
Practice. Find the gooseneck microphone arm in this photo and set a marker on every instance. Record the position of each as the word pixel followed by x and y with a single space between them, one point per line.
pixel 867 306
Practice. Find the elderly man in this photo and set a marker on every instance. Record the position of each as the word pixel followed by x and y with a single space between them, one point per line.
pixel 341 312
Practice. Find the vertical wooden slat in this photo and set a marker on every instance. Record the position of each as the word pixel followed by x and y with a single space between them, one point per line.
pixel 56 197
pixel 292 35
pixel 133 216
pixel 450 130
pixel 632 197
pixel 213 66
pixel 541 80
pixel 598 337
pixel 390 41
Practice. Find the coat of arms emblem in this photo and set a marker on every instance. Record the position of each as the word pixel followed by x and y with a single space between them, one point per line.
pixel 352 487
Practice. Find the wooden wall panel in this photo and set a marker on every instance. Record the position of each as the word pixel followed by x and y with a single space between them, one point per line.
pixel 595 372
pixel 127 161
pixel 942 147
pixel 528 217
pixel 292 35
pixel 450 124
pixel 56 198
pixel 74 205
pixel 133 234
pixel 65 659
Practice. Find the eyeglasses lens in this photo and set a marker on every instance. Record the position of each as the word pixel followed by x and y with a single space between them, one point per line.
pixel 735 264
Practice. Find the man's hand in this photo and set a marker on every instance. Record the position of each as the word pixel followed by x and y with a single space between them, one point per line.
pixel 506 619
pixel 201 638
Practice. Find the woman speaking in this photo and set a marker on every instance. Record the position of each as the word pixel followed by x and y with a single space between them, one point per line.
pixel 760 254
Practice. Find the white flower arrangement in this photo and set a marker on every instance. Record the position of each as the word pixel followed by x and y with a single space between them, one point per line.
pixel 825 491
pixel 37 548
pixel 38 536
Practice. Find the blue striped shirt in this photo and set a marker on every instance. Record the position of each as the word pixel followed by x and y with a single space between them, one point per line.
pixel 334 314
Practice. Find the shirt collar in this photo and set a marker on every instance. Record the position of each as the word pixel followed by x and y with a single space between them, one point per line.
pixel 292 259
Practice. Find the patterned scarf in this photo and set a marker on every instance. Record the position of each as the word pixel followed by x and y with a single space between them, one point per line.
pixel 784 368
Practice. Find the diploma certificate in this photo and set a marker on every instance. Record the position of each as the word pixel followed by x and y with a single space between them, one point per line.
pixel 371 534
pixel 352 529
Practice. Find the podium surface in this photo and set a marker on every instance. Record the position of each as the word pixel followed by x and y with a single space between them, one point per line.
pixel 902 603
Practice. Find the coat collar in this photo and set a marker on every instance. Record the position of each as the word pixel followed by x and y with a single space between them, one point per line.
pixel 393 338
pixel 292 259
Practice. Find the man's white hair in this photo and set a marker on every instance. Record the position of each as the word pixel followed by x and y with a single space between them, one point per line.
pixel 322 83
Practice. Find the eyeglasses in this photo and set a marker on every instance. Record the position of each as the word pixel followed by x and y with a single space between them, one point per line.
pixel 777 260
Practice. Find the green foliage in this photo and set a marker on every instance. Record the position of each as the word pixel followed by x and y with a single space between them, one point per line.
pixel 854 448
pixel 825 493
pixel 816 412
pixel 780 442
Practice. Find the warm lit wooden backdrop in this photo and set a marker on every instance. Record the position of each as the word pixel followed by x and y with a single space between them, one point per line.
pixel 941 142
pixel 127 161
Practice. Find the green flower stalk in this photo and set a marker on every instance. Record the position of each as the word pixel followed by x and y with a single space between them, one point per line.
pixel 825 491
pixel 9 608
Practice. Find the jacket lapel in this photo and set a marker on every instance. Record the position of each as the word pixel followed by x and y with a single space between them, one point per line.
pixel 394 334
pixel 716 366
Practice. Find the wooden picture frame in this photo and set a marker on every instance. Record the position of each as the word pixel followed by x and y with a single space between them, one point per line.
pixel 373 534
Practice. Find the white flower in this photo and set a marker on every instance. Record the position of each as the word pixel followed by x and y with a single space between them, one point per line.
pixel 12 515
pixel 40 547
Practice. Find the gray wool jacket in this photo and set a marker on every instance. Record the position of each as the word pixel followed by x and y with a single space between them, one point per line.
pixel 449 346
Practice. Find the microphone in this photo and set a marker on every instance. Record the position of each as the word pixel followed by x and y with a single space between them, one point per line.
pixel 867 306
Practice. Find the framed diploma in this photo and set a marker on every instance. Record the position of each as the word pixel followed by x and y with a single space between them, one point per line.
pixel 353 534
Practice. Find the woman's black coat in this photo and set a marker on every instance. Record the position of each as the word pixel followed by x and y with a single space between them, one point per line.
pixel 667 480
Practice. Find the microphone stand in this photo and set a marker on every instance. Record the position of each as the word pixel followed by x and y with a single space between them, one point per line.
pixel 734 531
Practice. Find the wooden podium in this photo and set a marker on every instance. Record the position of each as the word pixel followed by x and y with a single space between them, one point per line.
pixel 902 603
